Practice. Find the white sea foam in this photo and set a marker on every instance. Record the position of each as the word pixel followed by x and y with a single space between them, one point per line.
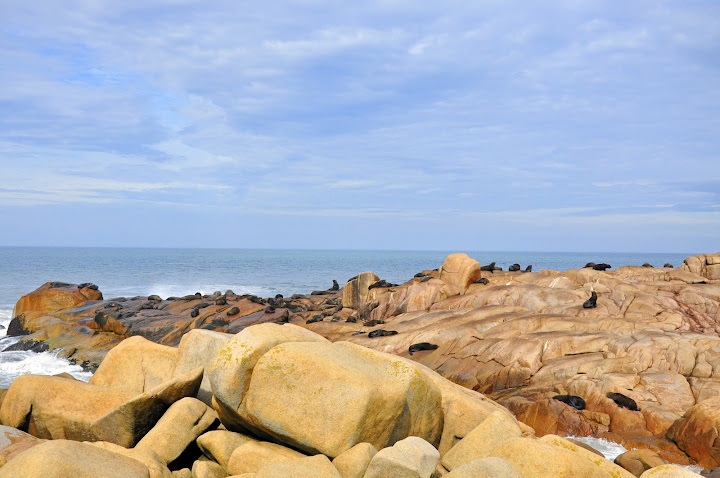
pixel 14 364
pixel 612 450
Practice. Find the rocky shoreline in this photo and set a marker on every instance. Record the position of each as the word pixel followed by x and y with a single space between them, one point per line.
pixel 456 372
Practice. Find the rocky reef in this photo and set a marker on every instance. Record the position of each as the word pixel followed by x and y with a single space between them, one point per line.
pixel 454 372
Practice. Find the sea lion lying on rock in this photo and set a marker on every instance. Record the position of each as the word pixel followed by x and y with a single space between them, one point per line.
pixel 647 264
pixel 573 400
pixel 490 267
pixel 481 280
pixel 315 318
pixel 421 346
pixel 514 268
pixel 601 267
pixel 591 303
pixel 381 283
pixel 381 333
pixel 669 266
pixel 623 401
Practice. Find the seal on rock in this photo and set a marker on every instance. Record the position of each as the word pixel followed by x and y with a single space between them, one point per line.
pixel 381 333
pixel 490 267
pixel 481 280
pixel 591 303
pixel 623 401
pixel 514 268
pixel 573 400
pixel 669 266
pixel 528 268
pixel 381 283
pixel 315 318
pixel 601 267
pixel 647 264
pixel 421 346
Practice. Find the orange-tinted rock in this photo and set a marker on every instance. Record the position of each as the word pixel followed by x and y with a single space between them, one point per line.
pixel 696 433
pixel 54 296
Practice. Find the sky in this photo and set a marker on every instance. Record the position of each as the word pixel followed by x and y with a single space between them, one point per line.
pixel 477 125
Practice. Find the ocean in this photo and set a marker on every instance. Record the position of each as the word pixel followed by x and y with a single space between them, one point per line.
pixel 124 272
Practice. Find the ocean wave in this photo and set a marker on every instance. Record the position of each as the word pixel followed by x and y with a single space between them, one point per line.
pixel 15 364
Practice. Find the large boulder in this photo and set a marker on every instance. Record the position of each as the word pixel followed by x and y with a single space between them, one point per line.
pixel 157 467
pixel 13 442
pixel 136 365
pixel 355 291
pixel 325 398
pixel 199 348
pixel 696 433
pixel 55 296
pixel 219 445
pixel 495 429
pixel 706 265
pixel 638 461
pixel 352 463
pixel 317 466
pixel 254 455
pixel 181 424
pixel 669 471
pixel 459 270
pixel 207 469
pixel 412 457
pixel 64 458
pixel 58 408
pixel 232 369
pixel 491 467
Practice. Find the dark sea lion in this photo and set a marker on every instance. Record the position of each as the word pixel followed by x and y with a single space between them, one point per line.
pixel 87 285
pixel 647 264
pixel 589 264
pixel 669 266
pixel 154 297
pixel 481 280
pixel 623 401
pixel 222 300
pixel 373 323
pixel 194 313
pixel 269 309
pixel 419 274
pixel 421 346
pixel 230 293
pixel 601 267
pixel 528 268
pixel 233 311
pixel 514 268
pixel 284 317
pixel 381 284
pixel 426 278
pixel 335 285
pixel 315 318
pixel 59 285
pixel 255 299
pixel 489 268
pixel 591 303
pixel 359 333
pixel 381 333
pixel 352 319
pixel 573 400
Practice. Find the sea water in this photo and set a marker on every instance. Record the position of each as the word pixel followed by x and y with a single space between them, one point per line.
pixel 125 272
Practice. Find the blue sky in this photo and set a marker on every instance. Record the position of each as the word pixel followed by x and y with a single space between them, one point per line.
pixel 548 126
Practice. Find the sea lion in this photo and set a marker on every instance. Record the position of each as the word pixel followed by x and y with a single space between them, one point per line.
pixel 647 264
pixel 315 318
pixel 421 346
pixel 573 400
pixel 269 309
pixel 194 313
pixel 255 299
pixel 481 280
pixel 233 311
pixel 87 285
pixel 284 317
pixel 373 323
pixel 623 401
pixel 589 264
pixel 514 268
pixel 489 268
pixel 528 268
pixel 352 319
pixel 335 285
pixel 381 333
pixel 154 297
pixel 359 333
pixel 426 278
pixel 601 267
pixel 419 274
pixel 591 303
pixel 669 266
pixel 381 284
pixel 222 300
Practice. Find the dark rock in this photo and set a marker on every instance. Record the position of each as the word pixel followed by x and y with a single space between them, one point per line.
pixel 352 319
pixel 315 318
pixel 154 297
pixel 647 264
pixel 16 327
pixel 113 305
pixel 669 266
pixel 269 309
pixel 573 400
pixel 591 303
pixel 421 346
pixel 222 300
pixel 514 268
pixel 28 346
pixel 623 401
pixel 381 333
pixel 194 312
pixel 148 305
pixel 298 296
pixel 481 280
pixel 60 285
